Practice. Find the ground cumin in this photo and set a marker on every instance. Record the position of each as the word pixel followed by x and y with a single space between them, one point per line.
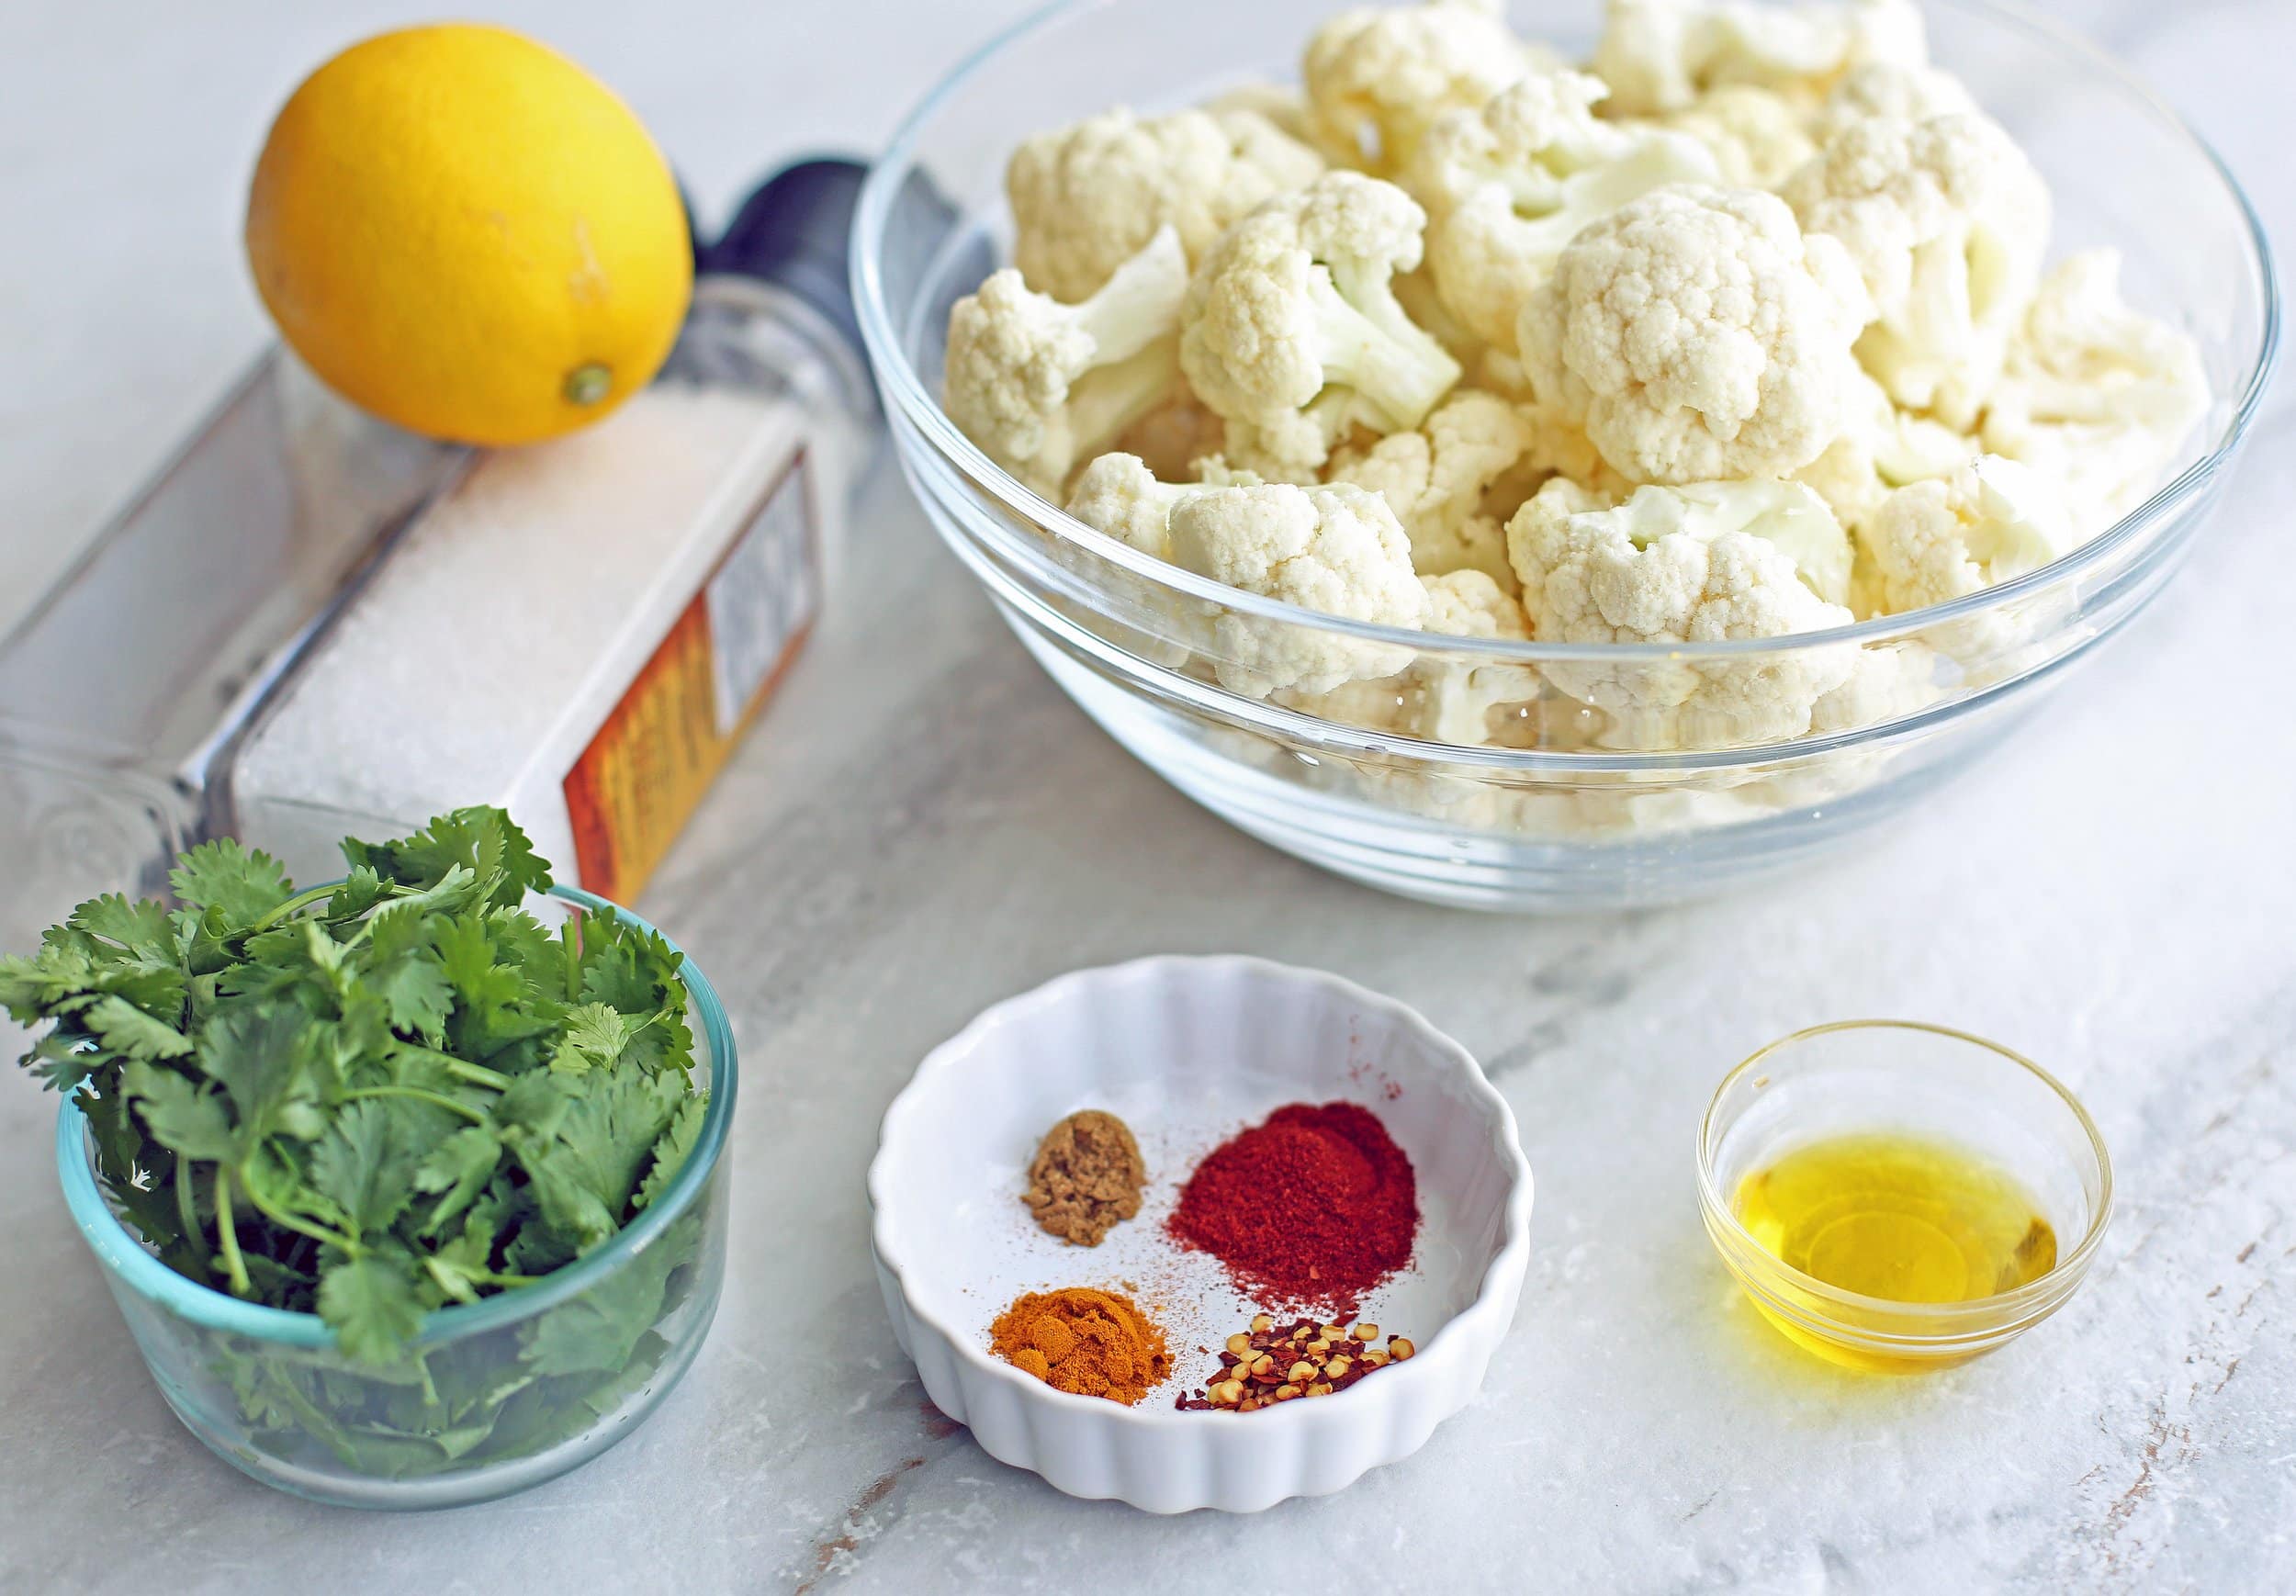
pixel 1094 1344
pixel 1087 1177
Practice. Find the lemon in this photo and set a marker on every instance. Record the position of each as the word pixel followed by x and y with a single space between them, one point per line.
pixel 464 233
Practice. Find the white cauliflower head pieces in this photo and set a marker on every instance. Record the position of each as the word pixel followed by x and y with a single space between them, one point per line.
pixel 1039 385
pixel 1683 568
pixel 1660 55
pixel 1758 137
pixel 1948 222
pixel 1511 184
pixel 1455 697
pixel 1882 448
pixel 1333 549
pixel 1990 522
pixel 1336 549
pixel 1442 697
pixel 1377 78
pixel 1290 327
pixel 1086 197
pixel 1119 495
pixel 1436 477
pixel 2097 397
pixel 1698 336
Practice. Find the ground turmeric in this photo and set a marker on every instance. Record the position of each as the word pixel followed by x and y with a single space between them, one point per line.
pixel 1094 1344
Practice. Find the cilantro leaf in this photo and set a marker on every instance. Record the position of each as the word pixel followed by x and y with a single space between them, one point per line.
pixel 360 892
pixel 406 974
pixel 542 961
pixel 624 967
pixel 595 1038
pixel 128 1031
pixel 63 1062
pixel 366 1162
pixel 74 969
pixel 458 1167
pixel 596 1331
pixel 491 1011
pixel 256 1055
pixel 568 1204
pixel 142 927
pixel 611 1126
pixel 187 1120
pixel 671 1149
pixel 482 840
pixel 533 1106
pixel 371 1303
pixel 241 886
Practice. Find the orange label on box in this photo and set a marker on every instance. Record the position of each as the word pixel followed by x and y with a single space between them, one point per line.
pixel 674 728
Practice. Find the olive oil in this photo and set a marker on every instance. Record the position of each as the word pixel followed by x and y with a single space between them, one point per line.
pixel 1898 1217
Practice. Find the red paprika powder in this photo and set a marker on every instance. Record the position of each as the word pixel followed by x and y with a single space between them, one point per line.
pixel 1310 1209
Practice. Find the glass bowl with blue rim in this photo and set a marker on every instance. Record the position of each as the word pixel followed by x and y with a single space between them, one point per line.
pixel 491 1396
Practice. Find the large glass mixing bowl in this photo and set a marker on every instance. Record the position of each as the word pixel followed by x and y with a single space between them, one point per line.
pixel 1564 805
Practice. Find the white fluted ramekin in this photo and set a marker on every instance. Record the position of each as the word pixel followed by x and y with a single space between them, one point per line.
pixel 1187 1051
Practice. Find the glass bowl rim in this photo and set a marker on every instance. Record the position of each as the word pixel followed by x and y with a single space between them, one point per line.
pixel 125 1258
pixel 2043 1293
pixel 917 411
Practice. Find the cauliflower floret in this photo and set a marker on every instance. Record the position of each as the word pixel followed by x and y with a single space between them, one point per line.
pixel 1119 495
pixel 2095 396
pixel 1990 522
pixel 1377 79
pixel 1890 680
pixel 1881 450
pixel 1295 302
pixel 1454 697
pixel 1671 568
pixel 1786 514
pixel 1440 700
pixel 1282 104
pixel 1037 384
pixel 1906 90
pixel 1659 55
pixel 1469 604
pixel 1434 480
pixel 1087 196
pixel 1698 336
pixel 1947 220
pixel 1755 134
pixel 1510 185
pixel 1335 549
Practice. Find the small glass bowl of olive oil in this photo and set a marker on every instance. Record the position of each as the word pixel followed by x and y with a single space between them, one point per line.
pixel 1896 1197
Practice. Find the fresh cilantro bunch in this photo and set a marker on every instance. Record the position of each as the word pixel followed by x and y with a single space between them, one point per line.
pixel 371 1099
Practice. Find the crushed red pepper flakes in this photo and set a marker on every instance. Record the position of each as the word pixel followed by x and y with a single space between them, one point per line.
pixel 1269 1363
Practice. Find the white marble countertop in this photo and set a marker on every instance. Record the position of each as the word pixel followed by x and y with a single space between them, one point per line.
pixel 886 857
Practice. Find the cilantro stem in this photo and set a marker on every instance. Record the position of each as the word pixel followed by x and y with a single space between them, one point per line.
pixel 475 1274
pixel 294 905
pixel 488 1278
pixel 477 1075
pixel 188 1210
pixel 305 899
pixel 226 1232
pixel 288 1221
pixel 417 1093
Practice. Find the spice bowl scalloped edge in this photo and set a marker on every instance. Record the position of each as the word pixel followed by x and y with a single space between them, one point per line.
pixel 1168 1025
